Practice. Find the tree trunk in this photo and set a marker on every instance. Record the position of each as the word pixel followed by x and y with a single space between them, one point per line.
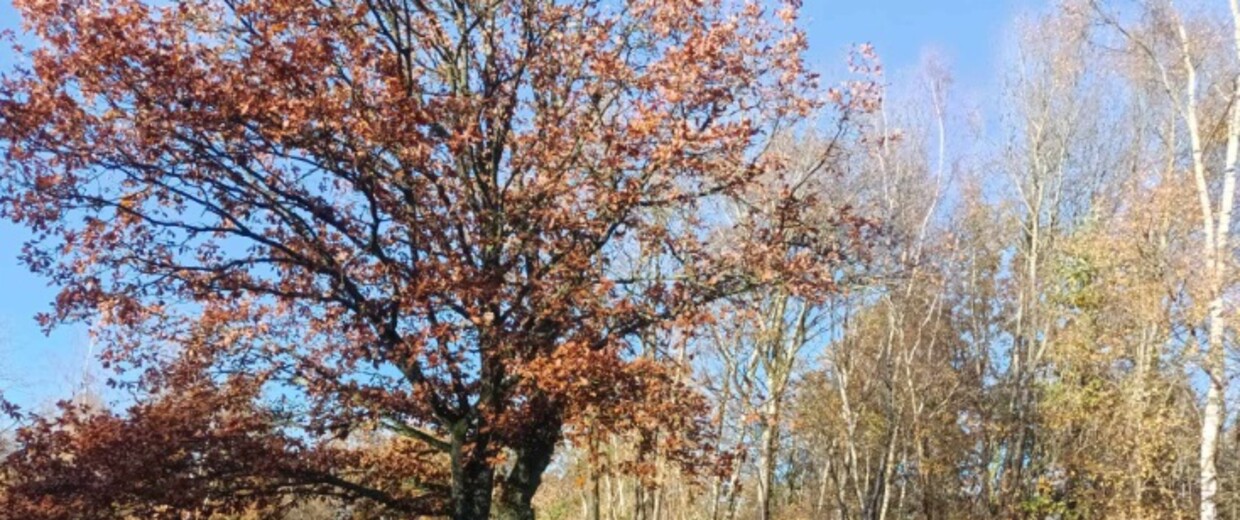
pixel 889 466
pixel 1218 257
pixel 516 498
pixel 1211 425
pixel 471 487
pixel 766 457
pixel 596 490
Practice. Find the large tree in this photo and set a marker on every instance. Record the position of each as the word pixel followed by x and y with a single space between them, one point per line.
pixel 290 221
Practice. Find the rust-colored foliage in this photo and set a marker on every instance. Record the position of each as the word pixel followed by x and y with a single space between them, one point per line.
pixel 295 220
pixel 208 450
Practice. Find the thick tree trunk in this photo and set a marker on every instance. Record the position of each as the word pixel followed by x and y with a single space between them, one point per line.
pixel 516 497
pixel 472 477
pixel 471 491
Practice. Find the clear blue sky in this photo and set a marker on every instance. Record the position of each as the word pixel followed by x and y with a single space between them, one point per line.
pixel 36 369
pixel 968 32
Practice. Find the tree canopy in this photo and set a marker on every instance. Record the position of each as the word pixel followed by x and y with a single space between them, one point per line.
pixel 449 222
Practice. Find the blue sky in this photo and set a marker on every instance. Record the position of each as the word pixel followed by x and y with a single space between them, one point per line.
pixel 968 32
pixel 36 369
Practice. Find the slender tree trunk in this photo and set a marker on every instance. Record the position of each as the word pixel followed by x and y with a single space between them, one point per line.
pixel 720 417
pixel 615 496
pixel 888 472
pixel 1211 425
pixel 767 455
pixel 596 490
pixel 1218 258
pixel 820 504
pixel 1212 420
pixel 658 504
